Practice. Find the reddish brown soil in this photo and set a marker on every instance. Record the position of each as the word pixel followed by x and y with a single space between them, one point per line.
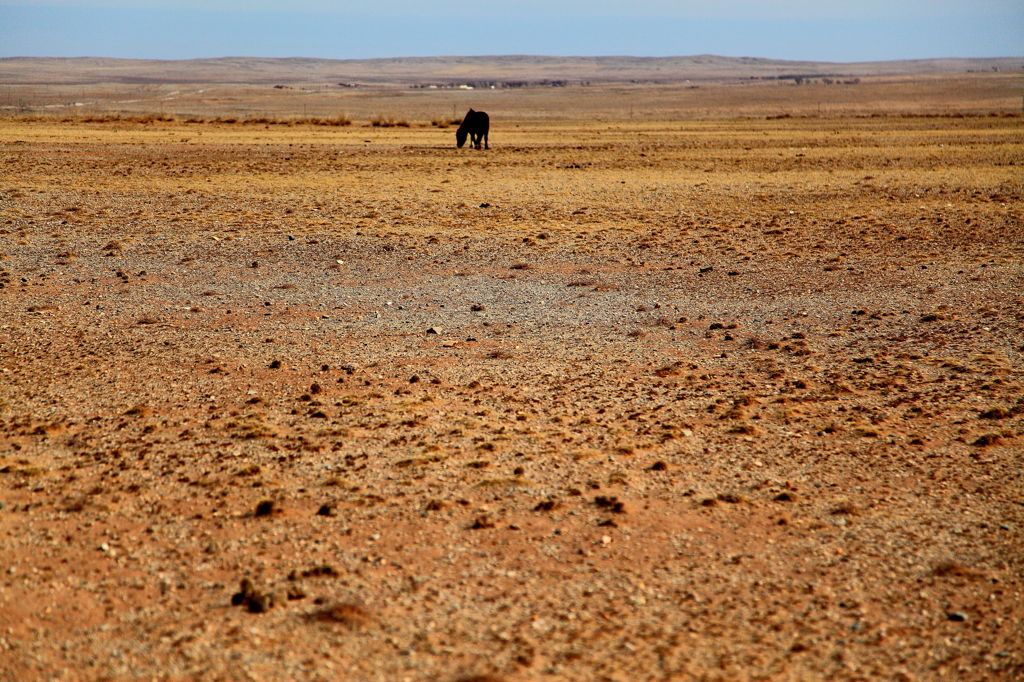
pixel 722 400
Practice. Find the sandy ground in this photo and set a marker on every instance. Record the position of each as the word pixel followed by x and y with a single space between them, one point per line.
pixel 725 399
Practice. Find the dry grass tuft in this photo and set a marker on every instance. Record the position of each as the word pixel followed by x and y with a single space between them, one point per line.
pixel 953 569
pixel 672 370
pixel 844 508
pixel 349 614
pixel 757 343
pixel 382 121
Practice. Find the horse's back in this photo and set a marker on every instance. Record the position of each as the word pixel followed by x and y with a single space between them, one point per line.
pixel 476 121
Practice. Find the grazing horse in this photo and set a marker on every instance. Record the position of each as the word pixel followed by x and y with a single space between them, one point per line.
pixel 476 124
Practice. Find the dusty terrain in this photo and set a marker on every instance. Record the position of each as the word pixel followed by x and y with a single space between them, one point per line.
pixel 664 399
pixel 405 70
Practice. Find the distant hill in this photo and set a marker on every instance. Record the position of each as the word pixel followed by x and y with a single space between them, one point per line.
pixel 424 70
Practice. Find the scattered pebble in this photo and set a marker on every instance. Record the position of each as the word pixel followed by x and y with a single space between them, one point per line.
pixel 251 599
pixel 480 523
pixel 611 503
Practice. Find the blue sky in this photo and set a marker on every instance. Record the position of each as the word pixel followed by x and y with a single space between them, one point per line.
pixel 784 29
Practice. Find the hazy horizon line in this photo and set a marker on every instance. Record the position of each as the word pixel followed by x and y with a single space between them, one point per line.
pixel 517 55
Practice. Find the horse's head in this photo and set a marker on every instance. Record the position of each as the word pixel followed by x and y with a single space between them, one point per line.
pixel 460 137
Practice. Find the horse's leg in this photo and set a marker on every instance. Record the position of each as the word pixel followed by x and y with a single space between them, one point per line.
pixel 486 146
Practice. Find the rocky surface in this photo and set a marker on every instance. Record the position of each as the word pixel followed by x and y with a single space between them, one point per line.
pixel 724 399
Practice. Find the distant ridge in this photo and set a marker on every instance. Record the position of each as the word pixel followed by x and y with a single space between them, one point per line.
pixel 413 70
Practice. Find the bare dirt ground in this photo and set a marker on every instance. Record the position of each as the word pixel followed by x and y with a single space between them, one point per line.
pixel 897 94
pixel 617 400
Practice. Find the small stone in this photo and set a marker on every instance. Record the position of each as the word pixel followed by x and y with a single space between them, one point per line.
pixel 260 603
pixel 265 508
pixel 611 503
pixel 318 571
pixel 245 592
pixel 480 522
pixel 326 509
pixel 996 413
pixel 546 505
pixel 434 330
pixel 988 439
pixel 956 616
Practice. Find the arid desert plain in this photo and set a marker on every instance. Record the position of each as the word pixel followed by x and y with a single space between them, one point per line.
pixel 734 391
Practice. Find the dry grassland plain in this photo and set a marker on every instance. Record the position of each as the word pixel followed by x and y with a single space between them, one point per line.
pixel 663 386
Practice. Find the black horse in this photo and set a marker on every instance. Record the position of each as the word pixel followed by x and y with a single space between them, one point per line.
pixel 476 124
